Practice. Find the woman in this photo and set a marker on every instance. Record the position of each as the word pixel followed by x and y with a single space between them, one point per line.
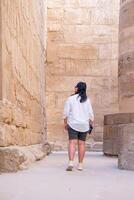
pixel 78 115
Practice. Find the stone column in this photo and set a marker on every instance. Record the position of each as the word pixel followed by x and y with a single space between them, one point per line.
pixel 126 56
pixel 126 147
pixel 0 55
pixel 119 128
pixel 126 82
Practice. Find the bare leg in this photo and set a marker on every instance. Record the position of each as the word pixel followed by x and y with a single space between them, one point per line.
pixel 81 150
pixel 71 149
pixel 71 154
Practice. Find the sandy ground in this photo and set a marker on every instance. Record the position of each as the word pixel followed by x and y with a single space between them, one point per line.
pixel 48 180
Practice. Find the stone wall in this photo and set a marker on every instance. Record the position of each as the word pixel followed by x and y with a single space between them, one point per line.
pixel 82 45
pixel 126 58
pixel 126 82
pixel 22 106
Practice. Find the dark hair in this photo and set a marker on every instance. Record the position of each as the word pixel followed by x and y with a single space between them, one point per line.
pixel 82 91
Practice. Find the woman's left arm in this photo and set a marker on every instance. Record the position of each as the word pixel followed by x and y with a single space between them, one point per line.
pixel 66 113
pixel 91 113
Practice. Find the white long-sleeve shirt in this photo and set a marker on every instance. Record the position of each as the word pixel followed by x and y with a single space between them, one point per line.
pixel 78 114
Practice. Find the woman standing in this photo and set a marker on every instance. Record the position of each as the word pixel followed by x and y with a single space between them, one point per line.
pixel 78 115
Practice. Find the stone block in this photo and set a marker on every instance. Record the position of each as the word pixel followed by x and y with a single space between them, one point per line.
pixel 55 14
pixel 126 147
pixel 108 119
pixel 78 34
pixel 55 4
pixel 118 118
pixel 77 16
pixel 65 84
pixel 10 159
pixel 16 158
pixel 88 3
pixel 12 135
pixel 107 17
pixel 19 118
pixel 6 114
pixel 105 51
pixel 110 140
pixel 83 52
pixel 54 31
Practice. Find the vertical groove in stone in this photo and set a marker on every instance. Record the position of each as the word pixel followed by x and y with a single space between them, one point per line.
pixel 43 11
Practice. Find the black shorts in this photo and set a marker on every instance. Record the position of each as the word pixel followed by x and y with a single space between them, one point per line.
pixel 76 135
